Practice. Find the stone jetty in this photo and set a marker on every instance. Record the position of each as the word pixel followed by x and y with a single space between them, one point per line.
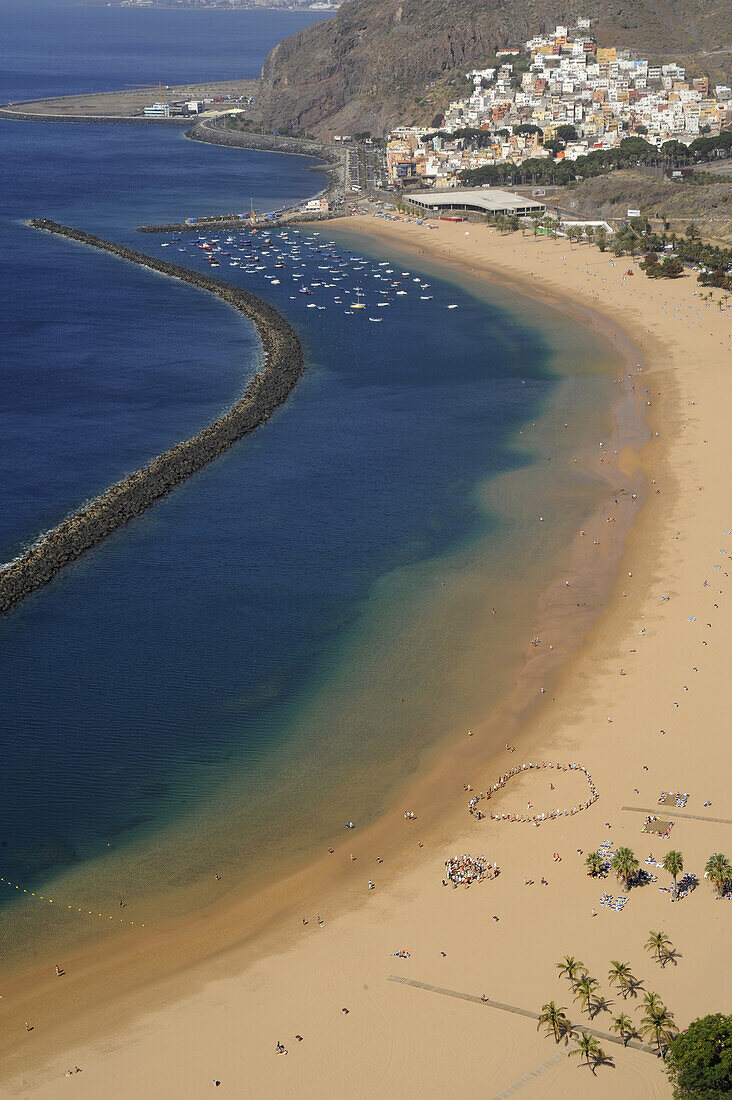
pixel 283 365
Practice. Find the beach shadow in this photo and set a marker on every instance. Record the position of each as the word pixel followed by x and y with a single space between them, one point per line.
pixel 634 985
pixel 601 1004
pixel 603 1060
pixel 672 956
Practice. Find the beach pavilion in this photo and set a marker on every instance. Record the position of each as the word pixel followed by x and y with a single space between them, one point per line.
pixel 487 200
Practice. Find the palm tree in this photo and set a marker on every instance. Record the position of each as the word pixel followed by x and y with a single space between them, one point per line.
pixel 589 1048
pixel 652 1001
pixel 555 1020
pixel 594 863
pixel 585 992
pixel 620 975
pixel 659 1025
pixel 571 969
pixel 673 862
pixel 622 1025
pixel 659 943
pixel 718 870
pixel 625 865
pixel 692 231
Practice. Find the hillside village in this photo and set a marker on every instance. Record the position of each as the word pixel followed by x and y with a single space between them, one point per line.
pixel 562 97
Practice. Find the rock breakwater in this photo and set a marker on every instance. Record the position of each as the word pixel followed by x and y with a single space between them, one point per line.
pixel 267 390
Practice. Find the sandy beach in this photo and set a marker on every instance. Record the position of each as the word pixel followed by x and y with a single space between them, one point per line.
pixel 643 706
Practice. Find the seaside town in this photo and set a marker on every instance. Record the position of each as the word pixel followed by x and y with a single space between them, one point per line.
pixel 560 96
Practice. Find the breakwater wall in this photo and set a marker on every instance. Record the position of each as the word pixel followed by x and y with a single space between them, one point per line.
pixel 266 391
pixel 231 224
pixel 215 134
pixel 212 132
pixel 109 120
pixel 334 164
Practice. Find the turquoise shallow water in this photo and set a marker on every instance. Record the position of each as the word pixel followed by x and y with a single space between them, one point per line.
pixel 241 648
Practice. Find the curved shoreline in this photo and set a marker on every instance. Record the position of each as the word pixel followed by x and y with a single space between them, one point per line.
pixel 269 934
pixel 123 501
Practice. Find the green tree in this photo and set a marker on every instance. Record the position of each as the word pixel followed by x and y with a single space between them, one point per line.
pixel 589 1049
pixel 594 863
pixel 622 1025
pixel 601 238
pixel 555 1020
pixel 673 863
pixel 659 944
pixel 719 871
pixel 567 132
pixel 699 1062
pixel 651 1000
pixel 571 969
pixel 621 976
pixel 659 1026
pixel 692 231
pixel 625 865
pixel 672 267
pixel 584 992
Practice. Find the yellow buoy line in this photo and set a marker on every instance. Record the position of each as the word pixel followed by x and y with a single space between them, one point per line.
pixel 85 912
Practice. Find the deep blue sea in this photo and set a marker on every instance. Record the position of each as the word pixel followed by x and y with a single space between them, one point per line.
pixel 244 641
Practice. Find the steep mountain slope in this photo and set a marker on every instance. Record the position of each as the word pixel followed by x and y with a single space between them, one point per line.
pixel 378 62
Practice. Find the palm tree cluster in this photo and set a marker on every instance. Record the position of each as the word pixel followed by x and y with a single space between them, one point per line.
pixel 630 153
pixel 657 1024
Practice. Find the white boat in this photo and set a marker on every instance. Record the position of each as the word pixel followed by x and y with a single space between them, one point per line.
pixel 453 305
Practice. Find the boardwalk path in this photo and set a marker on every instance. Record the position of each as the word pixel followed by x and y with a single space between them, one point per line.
pixel 677 813
pixel 605 1035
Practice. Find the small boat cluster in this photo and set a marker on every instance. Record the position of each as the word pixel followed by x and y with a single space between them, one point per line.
pixel 317 271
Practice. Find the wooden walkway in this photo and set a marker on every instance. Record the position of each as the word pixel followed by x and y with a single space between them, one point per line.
pixel 677 813
pixel 530 1076
pixel 605 1035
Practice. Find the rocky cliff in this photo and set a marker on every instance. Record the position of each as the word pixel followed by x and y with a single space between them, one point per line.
pixel 379 62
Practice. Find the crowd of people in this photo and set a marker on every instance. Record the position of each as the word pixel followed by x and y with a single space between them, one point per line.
pixel 534 818
pixel 463 870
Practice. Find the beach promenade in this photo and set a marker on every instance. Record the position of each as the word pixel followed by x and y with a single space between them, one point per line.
pixel 645 706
